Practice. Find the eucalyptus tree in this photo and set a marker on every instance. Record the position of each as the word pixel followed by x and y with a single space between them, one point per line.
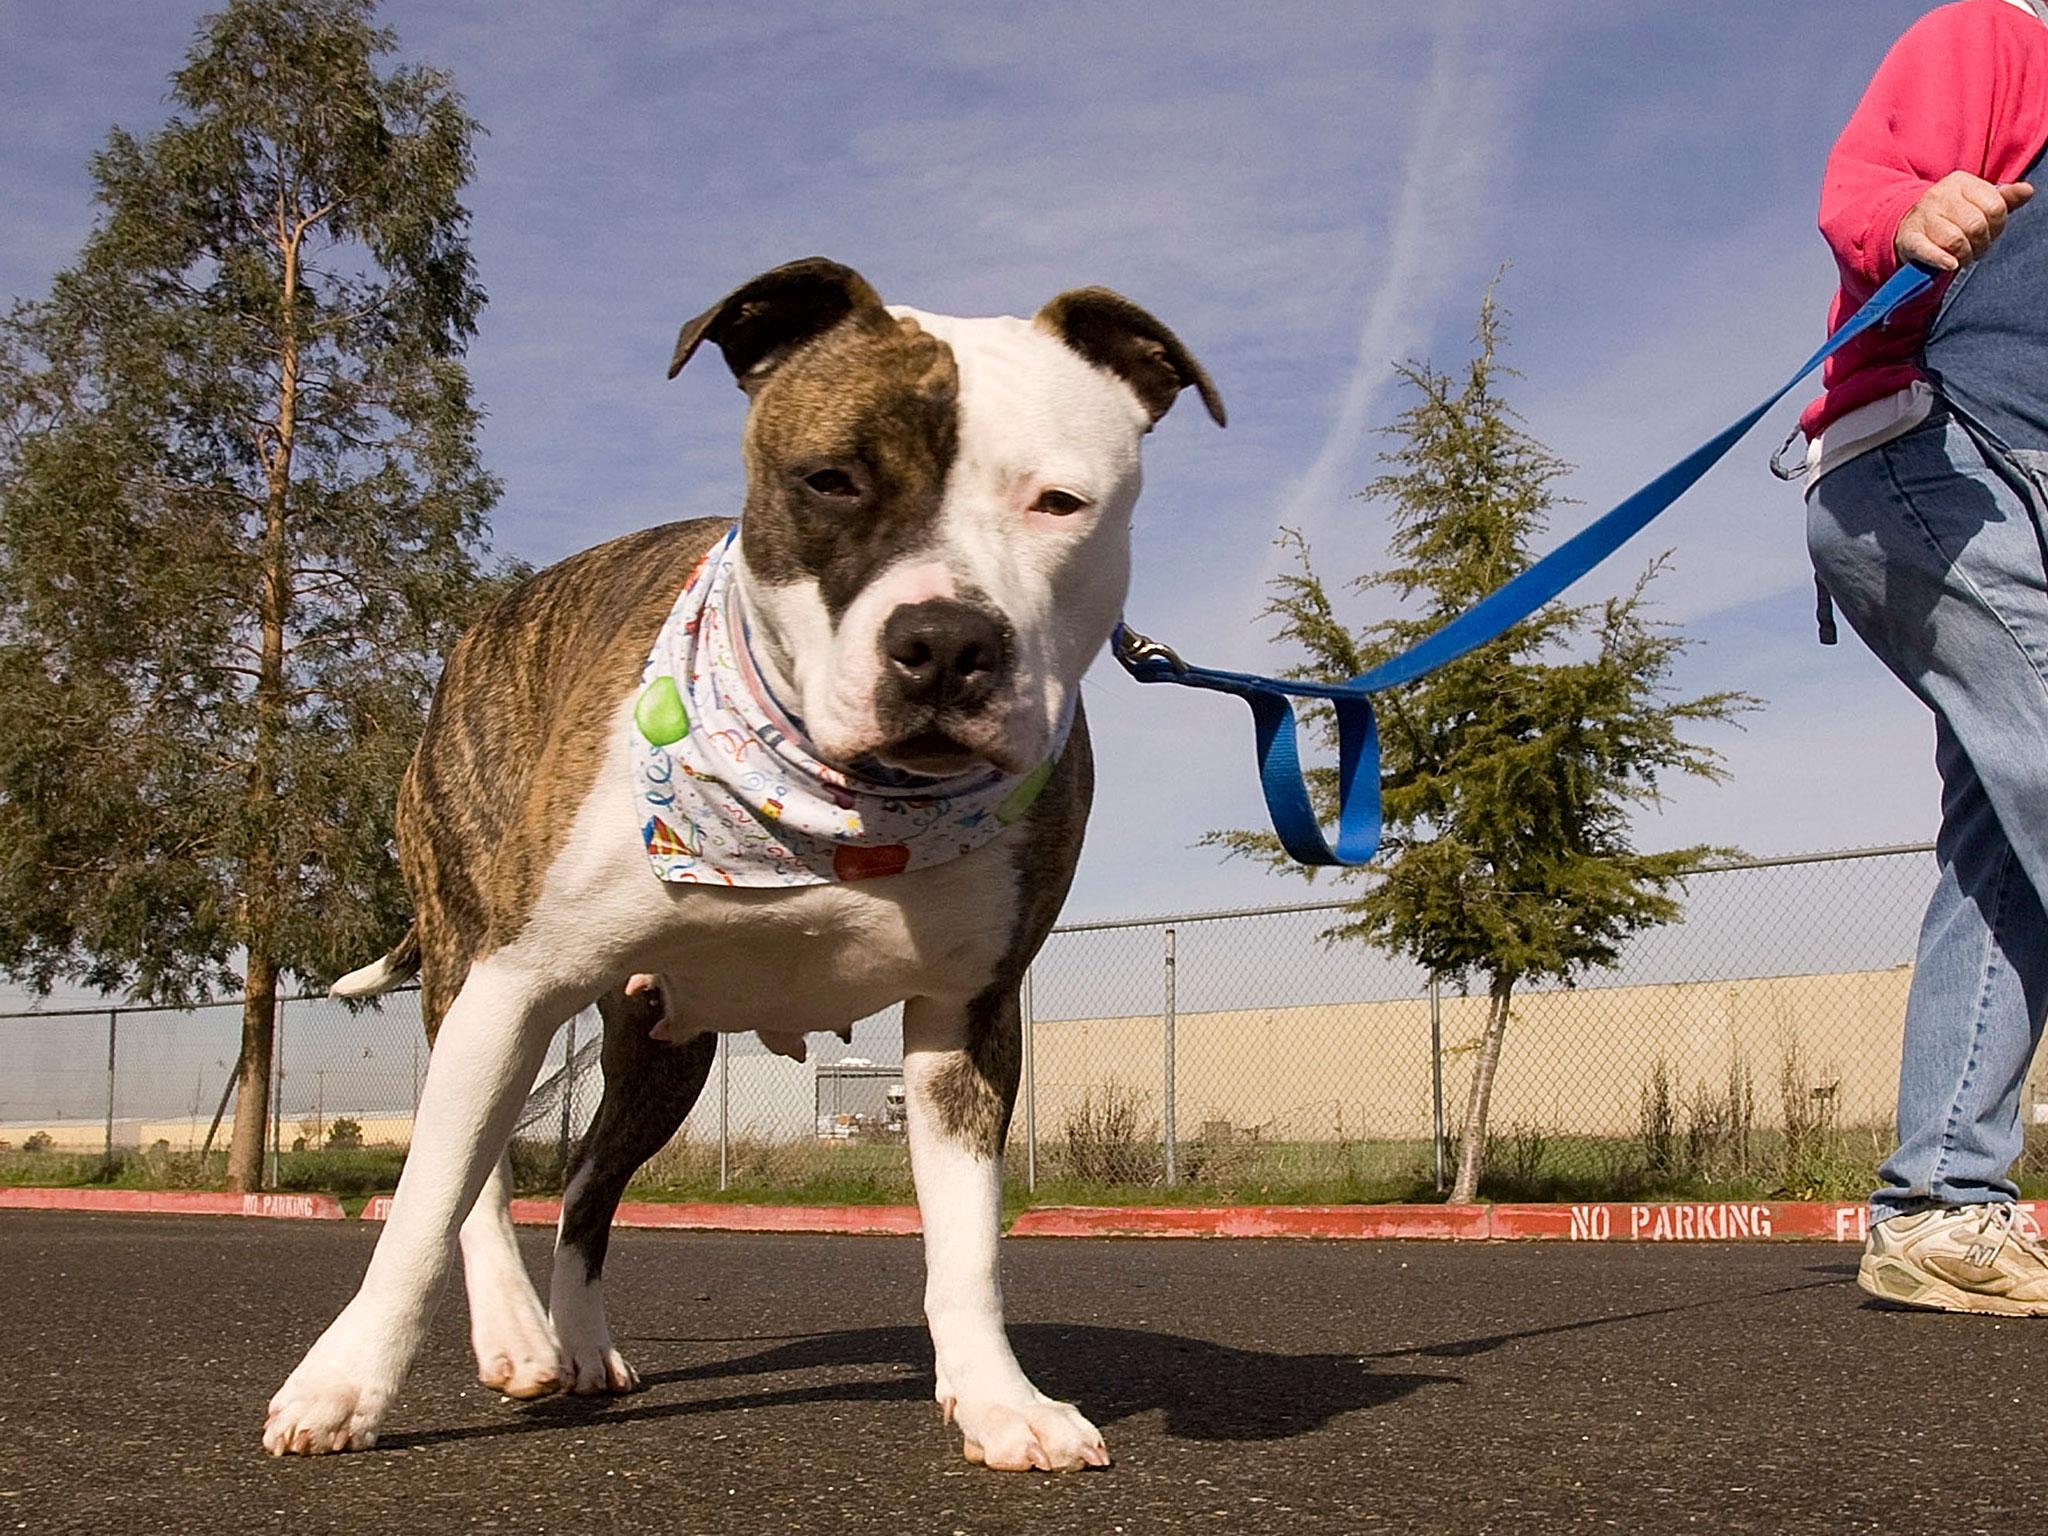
pixel 242 517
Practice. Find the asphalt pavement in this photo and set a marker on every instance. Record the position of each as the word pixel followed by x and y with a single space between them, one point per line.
pixel 1279 1386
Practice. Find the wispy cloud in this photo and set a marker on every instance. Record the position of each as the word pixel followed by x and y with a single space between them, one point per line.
pixel 1442 185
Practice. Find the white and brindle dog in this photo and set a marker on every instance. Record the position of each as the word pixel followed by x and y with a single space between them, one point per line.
pixel 934 547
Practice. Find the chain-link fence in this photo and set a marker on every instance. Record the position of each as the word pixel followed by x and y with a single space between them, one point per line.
pixel 1750 1048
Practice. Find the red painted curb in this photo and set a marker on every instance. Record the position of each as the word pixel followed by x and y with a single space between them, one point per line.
pixel 888 1220
pixel 1599 1222
pixel 1604 1222
pixel 174 1202
pixel 856 1220
pixel 1331 1221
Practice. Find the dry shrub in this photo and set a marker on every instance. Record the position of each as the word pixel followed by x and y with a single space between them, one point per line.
pixel 1102 1143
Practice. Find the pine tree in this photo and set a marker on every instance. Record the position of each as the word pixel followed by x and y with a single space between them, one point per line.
pixel 1510 774
pixel 241 519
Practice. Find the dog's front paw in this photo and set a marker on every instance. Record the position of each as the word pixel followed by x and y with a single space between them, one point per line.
pixel 320 1410
pixel 1038 1432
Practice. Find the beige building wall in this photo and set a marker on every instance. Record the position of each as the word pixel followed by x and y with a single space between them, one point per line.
pixel 1574 1061
pixel 184 1135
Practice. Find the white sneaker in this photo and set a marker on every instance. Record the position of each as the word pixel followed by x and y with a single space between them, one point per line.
pixel 1958 1258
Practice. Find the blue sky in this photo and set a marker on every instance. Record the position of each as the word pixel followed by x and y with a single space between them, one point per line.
pixel 1305 192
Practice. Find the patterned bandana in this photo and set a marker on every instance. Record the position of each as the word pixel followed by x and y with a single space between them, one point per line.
pixel 726 793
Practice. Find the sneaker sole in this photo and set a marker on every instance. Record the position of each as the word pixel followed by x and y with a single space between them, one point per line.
pixel 1895 1282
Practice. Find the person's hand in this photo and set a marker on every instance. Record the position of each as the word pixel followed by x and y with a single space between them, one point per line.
pixel 1956 220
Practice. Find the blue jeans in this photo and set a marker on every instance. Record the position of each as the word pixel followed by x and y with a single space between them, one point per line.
pixel 1937 562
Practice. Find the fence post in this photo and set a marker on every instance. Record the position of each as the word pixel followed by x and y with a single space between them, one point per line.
pixel 1172 1154
pixel 113 1026
pixel 724 1101
pixel 1030 1086
pixel 1436 1076
pixel 568 1099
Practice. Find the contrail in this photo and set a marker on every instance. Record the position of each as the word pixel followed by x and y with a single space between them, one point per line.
pixel 1443 181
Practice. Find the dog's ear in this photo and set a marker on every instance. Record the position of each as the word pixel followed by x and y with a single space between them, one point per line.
pixel 1112 332
pixel 761 322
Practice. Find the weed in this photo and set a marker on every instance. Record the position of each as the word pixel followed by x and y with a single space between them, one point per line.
pixel 1101 1143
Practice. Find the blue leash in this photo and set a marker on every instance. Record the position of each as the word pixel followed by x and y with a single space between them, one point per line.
pixel 1358 742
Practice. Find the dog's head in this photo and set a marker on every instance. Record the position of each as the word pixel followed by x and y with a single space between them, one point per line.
pixel 936 535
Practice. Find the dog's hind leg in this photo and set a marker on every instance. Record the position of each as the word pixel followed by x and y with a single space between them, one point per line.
pixel 649 1087
pixel 488 1050
pixel 960 1069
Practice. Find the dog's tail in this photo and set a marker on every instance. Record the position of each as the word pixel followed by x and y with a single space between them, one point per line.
pixel 394 970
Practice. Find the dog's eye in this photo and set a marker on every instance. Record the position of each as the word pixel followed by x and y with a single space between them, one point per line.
pixel 836 484
pixel 1058 503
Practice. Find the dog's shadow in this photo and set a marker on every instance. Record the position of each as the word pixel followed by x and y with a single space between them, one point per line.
pixel 1207 1391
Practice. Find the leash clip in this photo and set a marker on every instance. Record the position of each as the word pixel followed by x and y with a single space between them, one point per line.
pixel 1136 651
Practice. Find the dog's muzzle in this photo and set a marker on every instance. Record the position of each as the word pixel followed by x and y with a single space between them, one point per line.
pixel 944 665
pixel 943 657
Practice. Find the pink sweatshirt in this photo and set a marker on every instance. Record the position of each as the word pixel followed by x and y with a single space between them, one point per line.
pixel 1966 89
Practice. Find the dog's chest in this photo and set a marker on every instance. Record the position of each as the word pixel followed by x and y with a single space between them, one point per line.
pixel 820 957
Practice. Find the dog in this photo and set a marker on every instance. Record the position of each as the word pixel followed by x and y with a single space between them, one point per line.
pixel 846 768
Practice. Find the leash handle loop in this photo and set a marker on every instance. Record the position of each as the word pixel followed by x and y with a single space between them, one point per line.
pixel 1275 729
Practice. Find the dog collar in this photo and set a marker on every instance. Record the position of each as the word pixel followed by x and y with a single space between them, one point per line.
pixel 728 792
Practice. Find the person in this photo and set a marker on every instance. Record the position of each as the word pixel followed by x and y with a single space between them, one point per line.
pixel 1928 458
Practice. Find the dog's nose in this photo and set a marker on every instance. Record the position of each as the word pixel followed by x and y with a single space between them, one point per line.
pixel 943 653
